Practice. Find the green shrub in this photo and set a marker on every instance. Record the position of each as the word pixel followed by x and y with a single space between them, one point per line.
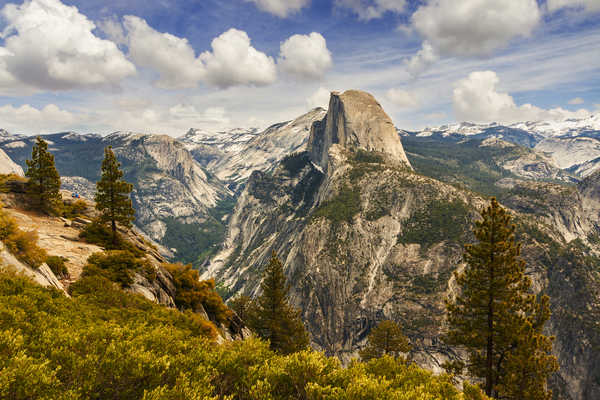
pixel 24 246
pixel 57 265
pixel 342 207
pixel 74 209
pixel 437 221
pixel 5 180
pixel 21 244
pixel 118 266
pixel 294 162
pixel 193 294
pixel 101 235
pixel 371 157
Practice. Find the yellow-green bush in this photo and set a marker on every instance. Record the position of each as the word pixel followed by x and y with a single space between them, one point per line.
pixel 5 180
pixel 118 266
pixel 22 244
pixel 57 265
pixel 101 235
pixel 191 292
pixel 104 343
pixel 73 209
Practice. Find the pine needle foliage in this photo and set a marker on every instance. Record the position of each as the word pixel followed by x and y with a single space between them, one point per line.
pixel 496 318
pixel 385 339
pixel 272 317
pixel 112 195
pixel 44 181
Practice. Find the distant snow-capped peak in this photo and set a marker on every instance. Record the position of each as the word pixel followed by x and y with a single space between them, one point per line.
pixel 223 140
pixel 566 127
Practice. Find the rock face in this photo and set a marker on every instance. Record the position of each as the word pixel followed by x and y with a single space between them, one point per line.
pixel 42 275
pixel 8 166
pixel 236 154
pixel 355 120
pixel 363 239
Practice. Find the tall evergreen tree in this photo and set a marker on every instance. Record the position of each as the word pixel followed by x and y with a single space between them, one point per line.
pixel 112 195
pixel 385 339
pixel 272 317
pixel 44 180
pixel 496 318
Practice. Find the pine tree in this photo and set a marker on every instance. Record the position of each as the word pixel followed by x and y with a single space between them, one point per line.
pixel 44 180
pixel 495 317
pixel 272 317
pixel 112 195
pixel 385 339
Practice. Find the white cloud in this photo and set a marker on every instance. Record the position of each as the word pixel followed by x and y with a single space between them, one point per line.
pixel 402 98
pixel 50 46
pixel 476 99
pixel 233 61
pixel 372 9
pixel 280 8
pixel 422 60
pixel 474 27
pixel 320 98
pixel 28 119
pixel 305 56
pixel 586 5
pixel 576 100
pixel 172 57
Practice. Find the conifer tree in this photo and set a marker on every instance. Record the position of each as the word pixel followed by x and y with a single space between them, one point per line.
pixel 385 339
pixel 112 195
pixel 272 317
pixel 44 180
pixel 496 319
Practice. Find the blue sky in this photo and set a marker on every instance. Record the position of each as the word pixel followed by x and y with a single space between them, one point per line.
pixel 170 65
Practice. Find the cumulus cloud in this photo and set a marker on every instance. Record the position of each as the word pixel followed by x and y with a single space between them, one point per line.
pixel 476 99
pixel 28 119
pixel 422 60
pixel 402 98
pixel 305 56
pixel 50 46
pixel 576 100
pixel 474 27
pixel 280 8
pixel 372 9
pixel 320 98
pixel 171 56
pixel 586 5
pixel 233 61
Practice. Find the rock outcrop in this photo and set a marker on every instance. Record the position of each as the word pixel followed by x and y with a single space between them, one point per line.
pixel 42 275
pixel 354 120
pixel 8 166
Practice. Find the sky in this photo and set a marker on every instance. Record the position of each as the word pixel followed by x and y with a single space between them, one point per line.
pixel 165 66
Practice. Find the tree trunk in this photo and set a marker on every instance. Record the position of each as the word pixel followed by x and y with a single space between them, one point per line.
pixel 114 232
pixel 489 379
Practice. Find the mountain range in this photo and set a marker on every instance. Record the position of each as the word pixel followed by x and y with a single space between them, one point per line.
pixel 369 220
